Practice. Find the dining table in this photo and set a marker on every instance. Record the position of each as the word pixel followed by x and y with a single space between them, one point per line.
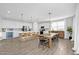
pixel 49 38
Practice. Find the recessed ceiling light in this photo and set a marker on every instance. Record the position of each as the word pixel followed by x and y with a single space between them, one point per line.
pixel 9 12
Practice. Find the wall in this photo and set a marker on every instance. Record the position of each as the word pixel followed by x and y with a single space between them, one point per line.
pixel 45 24
pixel 0 24
pixel 0 29
pixel 68 22
pixel 76 30
pixel 35 27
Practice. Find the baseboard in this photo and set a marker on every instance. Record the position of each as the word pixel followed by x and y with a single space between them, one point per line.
pixel 76 51
pixel 72 40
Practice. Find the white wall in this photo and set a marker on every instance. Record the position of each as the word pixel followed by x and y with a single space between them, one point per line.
pixel 35 27
pixel 76 30
pixel 68 22
pixel 45 24
pixel 0 24
pixel 0 29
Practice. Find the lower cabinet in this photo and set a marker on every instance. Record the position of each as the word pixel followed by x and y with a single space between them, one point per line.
pixel 9 35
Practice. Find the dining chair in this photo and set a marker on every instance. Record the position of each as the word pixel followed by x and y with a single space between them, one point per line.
pixel 43 42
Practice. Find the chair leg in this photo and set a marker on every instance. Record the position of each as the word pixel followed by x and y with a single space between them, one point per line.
pixel 39 45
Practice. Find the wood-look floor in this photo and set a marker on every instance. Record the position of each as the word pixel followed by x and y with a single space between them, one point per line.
pixel 30 47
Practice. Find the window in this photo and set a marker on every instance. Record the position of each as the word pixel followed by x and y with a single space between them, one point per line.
pixel 58 25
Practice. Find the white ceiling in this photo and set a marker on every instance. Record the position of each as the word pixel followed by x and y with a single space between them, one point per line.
pixel 36 11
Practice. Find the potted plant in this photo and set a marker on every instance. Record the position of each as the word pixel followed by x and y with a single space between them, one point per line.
pixel 69 29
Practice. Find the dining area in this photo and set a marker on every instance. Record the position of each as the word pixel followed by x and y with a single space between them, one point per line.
pixel 43 39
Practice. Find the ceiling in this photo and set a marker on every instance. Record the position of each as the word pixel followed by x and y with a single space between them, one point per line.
pixel 36 11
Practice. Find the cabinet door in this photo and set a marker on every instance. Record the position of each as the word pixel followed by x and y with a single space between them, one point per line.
pixel 61 34
pixel 9 35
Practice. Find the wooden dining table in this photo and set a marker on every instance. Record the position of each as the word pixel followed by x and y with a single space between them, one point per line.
pixel 49 37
